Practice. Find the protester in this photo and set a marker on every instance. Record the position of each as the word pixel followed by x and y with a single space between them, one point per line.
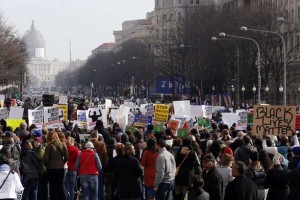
pixel 10 184
pixel 55 157
pixel 148 162
pixel 165 172
pixel 196 191
pixel 241 188
pixel 243 152
pixel 213 182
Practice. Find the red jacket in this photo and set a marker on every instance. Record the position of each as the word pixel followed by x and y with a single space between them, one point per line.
pixel 87 163
pixel 73 155
pixel 148 162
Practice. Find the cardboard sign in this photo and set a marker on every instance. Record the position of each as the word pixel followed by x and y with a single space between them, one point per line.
pixel 196 110
pixel 182 132
pixel 51 117
pixel 161 112
pixel 274 120
pixel 63 99
pixel 36 117
pixel 16 113
pixel 3 113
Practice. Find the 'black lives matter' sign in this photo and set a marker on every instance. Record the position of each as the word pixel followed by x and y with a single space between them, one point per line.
pixel 274 120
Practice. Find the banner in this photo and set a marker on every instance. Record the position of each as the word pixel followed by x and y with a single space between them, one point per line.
pixel 274 120
pixel 51 117
pixel 142 120
pixel 36 117
pixel 3 113
pixel 161 112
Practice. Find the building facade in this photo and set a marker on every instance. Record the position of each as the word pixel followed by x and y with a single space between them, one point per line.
pixel 41 72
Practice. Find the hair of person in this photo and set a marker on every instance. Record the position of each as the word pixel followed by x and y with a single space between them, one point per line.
pixel 284 139
pixel 138 135
pixel 23 125
pixel 168 131
pixel 225 132
pixel 70 141
pixel 61 136
pixel 45 131
pixel 120 149
pixel 192 138
pixel 269 142
pixel 265 160
pixel 246 139
pixel 52 136
pixel 94 134
pixel 194 131
pixel 248 128
pixel 241 167
pixel 151 144
pixel 128 148
pixel 177 142
pixel 4 159
pixel 197 182
pixel 225 159
pixel 214 125
pixel 161 143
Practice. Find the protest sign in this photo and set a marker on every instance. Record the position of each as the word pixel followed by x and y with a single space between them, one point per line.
pixel 205 123
pixel 130 119
pixel 63 99
pixel 51 117
pixel 182 107
pixel 14 123
pixel 229 118
pixel 274 120
pixel 3 113
pixel 102 106
pixel 161 112
pixel 207 112
pixel 82 118
pixel 113 114
pixel 297 125
pixel 242 119
pixel 62 111
pixel 182 132
pixel 2 98
pixel 147 109
pixel 196 110
pixel 108 103
pixel 142 120
pixel 93 114
pixel 158 128
pixel 36 117
pixel 182 120
pixel 173 124
pixel 16 113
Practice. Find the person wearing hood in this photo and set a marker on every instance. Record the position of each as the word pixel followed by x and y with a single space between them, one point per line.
pixel 28 105
pixel 88 165
pixel 11 185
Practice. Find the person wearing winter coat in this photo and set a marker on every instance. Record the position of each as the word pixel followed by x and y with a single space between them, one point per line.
pixel 243 152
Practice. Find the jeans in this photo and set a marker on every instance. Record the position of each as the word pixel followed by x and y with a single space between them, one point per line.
pixel 89 185
pixel 56 183
pixel 65 189
pixel 100 185
pixel 164 191
pixel 43 187
pixel 31 189
pixel 70 183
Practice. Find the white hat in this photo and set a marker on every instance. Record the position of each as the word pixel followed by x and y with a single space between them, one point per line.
pixel 89 145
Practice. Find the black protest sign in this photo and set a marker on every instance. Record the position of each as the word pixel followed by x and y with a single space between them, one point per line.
pixel 274 120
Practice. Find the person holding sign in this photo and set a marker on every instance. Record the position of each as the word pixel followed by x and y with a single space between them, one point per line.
pixel 95 116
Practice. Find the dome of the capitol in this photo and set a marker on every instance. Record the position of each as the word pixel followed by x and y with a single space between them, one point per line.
pixel 35 43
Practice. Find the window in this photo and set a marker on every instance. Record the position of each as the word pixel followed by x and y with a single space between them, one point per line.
pixel 292 44
pixel 179 1
pixel 286 15
pixel 197 1
pixel 191 1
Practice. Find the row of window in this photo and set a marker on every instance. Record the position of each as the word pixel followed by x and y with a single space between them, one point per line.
pixel 171 3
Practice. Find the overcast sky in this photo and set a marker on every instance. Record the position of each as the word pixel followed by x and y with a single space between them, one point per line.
pixel 89 23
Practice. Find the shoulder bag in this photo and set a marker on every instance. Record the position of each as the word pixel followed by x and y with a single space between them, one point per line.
pixel 5 180
pixel 177 168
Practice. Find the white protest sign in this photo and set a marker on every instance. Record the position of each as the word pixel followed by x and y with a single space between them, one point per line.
pixel 82 118
pixel 16 113
pixel 196 110
pixel 63 99
pixel 36 117
pixel 207 112
pixel 147 109
pixel 108 103
pixel 93 114
pixel 102 106
pixel 182 107
pixel 104 118
pixel 3 113
pixel 122 122
pixel 51 117
pixel 113 114
pixel 242 119
pixel 230 118
pixel 217 108
pixel 123 112
pixel 130 120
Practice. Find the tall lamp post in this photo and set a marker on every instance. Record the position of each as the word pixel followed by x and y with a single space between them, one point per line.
pixel 243 91
pixel 254 90
pixel 237 75
pixel 281 89
pixel 147 74
pixel 244 28
pixel 257 63
pixel 91 98
pixel 213 99
pixel 267 91
pixel 233 99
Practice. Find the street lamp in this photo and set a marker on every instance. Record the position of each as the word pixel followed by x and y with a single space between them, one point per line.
pixel 267 90
pixel 244 28
pixel 257 63
pixel 281 19
pixel 147 74
pixel 254 90
pixel 281 88
pixel 237 75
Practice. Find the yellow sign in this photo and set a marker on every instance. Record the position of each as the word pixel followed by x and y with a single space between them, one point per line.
pixel 14 123
pixel 161 112
pixel 63 111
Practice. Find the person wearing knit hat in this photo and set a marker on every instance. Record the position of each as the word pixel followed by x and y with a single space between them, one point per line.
pixel 227 150
pixel 295 161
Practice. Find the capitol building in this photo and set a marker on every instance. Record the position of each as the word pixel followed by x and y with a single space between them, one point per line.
pixel 41 72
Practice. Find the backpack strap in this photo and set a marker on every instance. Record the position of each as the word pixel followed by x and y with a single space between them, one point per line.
pixel 5 179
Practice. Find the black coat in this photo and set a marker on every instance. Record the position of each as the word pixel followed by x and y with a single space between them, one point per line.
pixel 213 183
pixel 241 188
pixel 127 173
pixel 278 183
pixel 294 178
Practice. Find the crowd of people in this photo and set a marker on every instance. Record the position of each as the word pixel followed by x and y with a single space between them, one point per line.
pixel 110 164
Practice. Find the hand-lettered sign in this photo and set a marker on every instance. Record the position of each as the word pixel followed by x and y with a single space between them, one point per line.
pixel 274 120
